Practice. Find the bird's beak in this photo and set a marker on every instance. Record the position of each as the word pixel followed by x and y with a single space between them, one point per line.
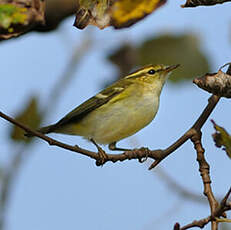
pixel 171 67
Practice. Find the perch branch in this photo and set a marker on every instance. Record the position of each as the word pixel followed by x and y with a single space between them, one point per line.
pixel 157 155
pixel 127 155
pixel 142 153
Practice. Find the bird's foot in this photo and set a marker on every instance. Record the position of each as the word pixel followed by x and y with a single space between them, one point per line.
pixel 102 155
pixel 143 159
pixel 112 146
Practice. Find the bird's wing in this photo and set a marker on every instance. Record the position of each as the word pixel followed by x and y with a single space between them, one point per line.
pixel 91 104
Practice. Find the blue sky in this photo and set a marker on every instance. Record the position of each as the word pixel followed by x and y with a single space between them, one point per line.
pixel 56 189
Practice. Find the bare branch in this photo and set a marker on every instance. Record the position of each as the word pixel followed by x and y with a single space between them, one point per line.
pixel 18 158
pixel 194 3
pixel 219 211
pixel 212 102
pixel 127 155
pixel 205 175
pixel 157 155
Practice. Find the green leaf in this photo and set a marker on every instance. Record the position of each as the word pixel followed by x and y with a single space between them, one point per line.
pixel 222 139
pixel 29 116
pixel 11 14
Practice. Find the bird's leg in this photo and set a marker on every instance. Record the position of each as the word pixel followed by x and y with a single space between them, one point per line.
pixel 102 155
pixel 112 146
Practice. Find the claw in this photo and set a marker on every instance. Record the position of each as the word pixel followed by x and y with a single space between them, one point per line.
pixel 112 146
pixel 102 155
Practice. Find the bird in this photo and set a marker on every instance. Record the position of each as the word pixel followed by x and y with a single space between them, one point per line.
pixel 118 111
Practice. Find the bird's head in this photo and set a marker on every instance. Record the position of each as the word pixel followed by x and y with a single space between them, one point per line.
pixel 153 75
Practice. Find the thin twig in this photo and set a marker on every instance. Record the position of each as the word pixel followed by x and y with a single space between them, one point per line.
pixel 18 158
pixel 204 169
pixel 127 155
pixel 216 209
pixel 221 208
pixel 7 182
pixel 212 102
pixel 157 155
pixel 193 133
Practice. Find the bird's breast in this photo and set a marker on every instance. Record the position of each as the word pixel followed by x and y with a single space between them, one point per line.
pixel 123 118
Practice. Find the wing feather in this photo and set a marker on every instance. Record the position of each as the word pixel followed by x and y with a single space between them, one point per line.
pixel 93 103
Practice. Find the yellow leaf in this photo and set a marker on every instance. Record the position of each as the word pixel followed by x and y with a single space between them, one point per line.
pixel 127 12
pixel 29 116
pixel 222 139
pixel 117 13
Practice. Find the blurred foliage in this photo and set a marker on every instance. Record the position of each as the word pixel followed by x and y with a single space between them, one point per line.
pixel 29 116
pixel 124 58
pixel 120 13
pixel 11 14
pixel 165 49
pixel 222 139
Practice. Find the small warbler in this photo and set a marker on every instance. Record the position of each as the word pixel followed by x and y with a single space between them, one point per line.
pixel 118 111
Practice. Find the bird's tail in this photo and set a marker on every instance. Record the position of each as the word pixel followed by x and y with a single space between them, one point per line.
pixel 43 130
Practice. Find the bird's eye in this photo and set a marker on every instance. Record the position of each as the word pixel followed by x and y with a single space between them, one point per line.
pixel 152 71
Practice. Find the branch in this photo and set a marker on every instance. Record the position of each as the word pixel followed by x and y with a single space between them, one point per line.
pixel 216 209
pixel 142 153
pixel 194 3
pixel 18 158
pixel 7 181
pixel 34 12
pixel 127 155
pixel 212 102
pixel 157 155
pixel 56 12
pixel 205 175
pixel 219 211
